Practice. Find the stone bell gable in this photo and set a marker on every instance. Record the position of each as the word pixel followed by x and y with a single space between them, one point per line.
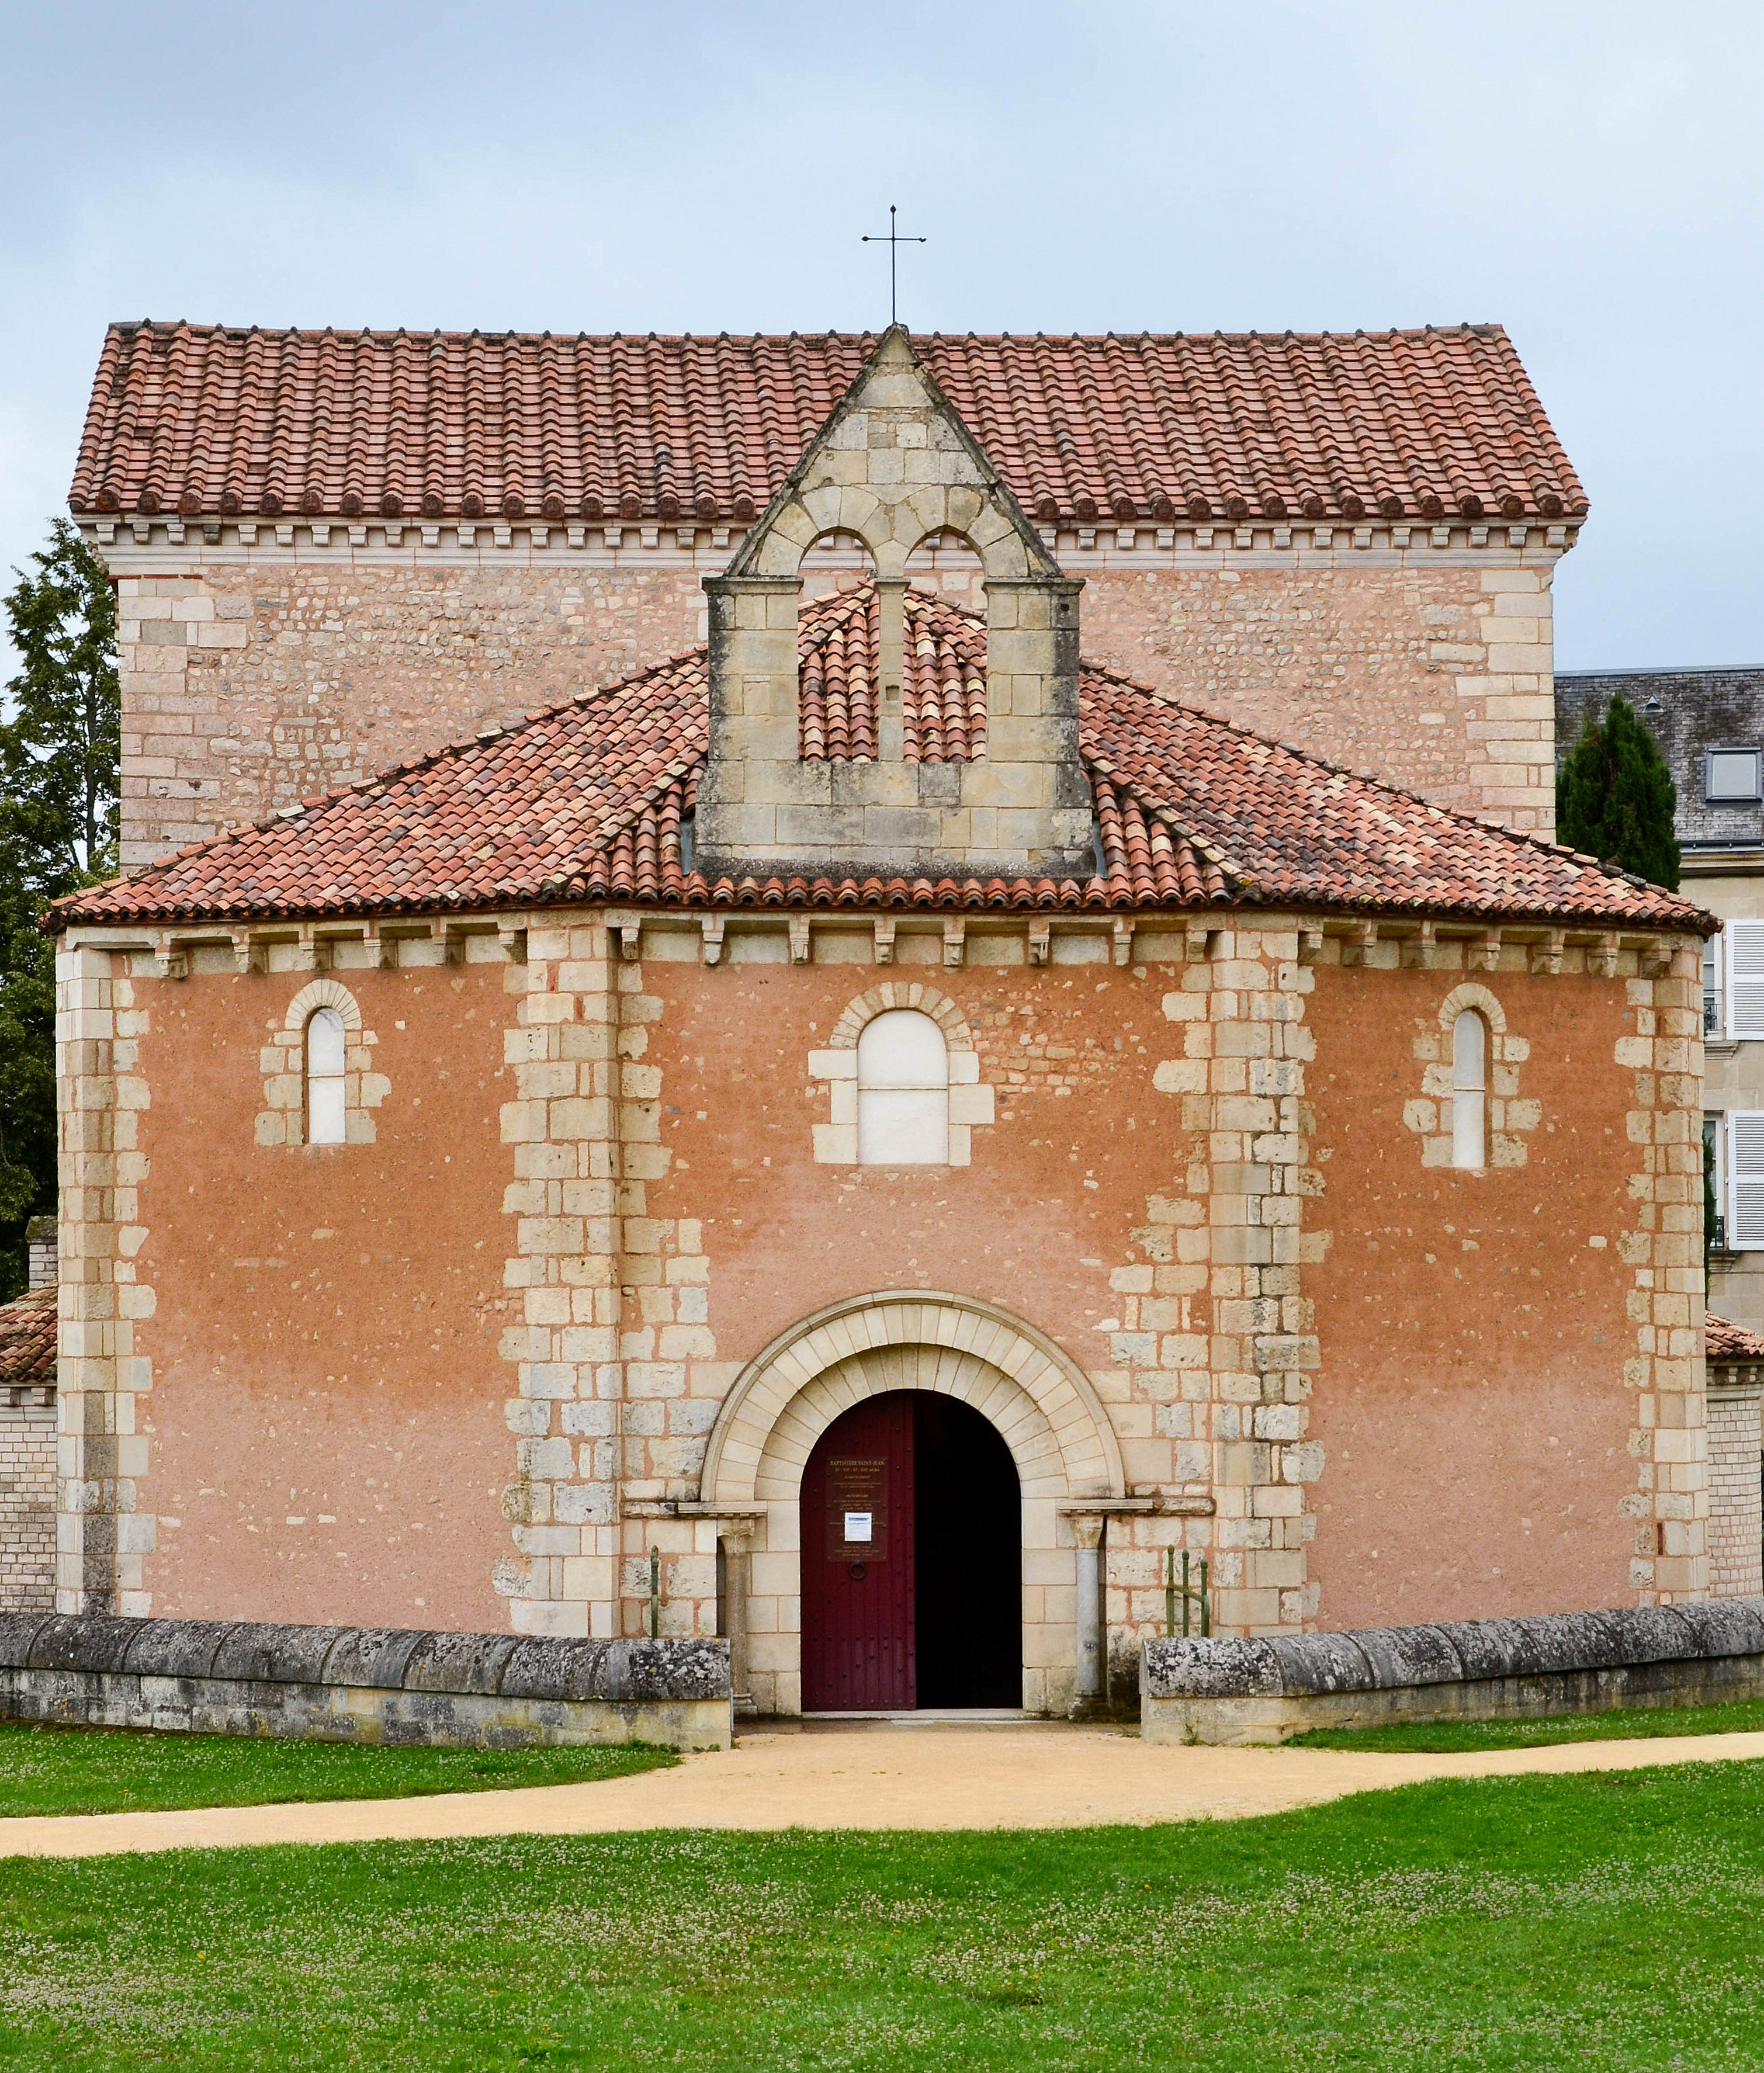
pixel 893 464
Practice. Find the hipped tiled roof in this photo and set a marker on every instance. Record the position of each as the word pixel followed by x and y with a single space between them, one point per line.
pixel 27 1342
pixel 204 419
pixel 1731 1344
pixel 583 801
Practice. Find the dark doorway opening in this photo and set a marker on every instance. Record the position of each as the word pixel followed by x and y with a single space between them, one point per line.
pixel 911 1560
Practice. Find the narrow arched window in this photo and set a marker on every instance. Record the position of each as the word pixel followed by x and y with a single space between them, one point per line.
pixel 903 1091
pixel 324 1077
pixel 1470 1089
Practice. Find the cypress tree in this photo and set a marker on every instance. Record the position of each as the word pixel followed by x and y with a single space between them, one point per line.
pixel 60 741
pixel 1615 798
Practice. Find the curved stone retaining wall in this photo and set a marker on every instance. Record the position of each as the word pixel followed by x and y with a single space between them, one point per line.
pixel 1248 1691
pixel 370 1684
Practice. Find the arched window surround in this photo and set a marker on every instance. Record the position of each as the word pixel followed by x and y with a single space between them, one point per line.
pixel 1493 1113
pixel 286 1117
pixel 971 1099
pixel 903 1090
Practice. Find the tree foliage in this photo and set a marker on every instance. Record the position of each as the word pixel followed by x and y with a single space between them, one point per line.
pixel 61 747
pixel 1615 798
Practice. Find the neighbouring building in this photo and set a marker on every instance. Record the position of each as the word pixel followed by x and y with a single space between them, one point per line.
pixel 28 1432
pixel 1710 727
pixel 1736 1468
pixel 904 1109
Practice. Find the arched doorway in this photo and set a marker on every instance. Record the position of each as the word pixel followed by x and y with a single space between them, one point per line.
pixel 912 1559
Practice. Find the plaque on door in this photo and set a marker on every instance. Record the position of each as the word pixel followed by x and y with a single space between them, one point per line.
pixel 857 1510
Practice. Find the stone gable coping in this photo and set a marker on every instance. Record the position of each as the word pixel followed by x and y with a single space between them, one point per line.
pixel 508 1666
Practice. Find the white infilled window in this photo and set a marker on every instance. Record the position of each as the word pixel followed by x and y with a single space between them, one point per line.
pixel 325 1122
pixel 1745 1179
pixel 1744 978
pixel 1470 1088
pixel 903 1091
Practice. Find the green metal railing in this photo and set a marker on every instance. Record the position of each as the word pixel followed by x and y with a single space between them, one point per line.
pixel 1191 1595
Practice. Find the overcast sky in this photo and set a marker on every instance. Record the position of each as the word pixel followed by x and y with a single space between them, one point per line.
pixel 1587 175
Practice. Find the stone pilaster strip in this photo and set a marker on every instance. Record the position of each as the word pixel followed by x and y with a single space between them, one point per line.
pixel 101 1540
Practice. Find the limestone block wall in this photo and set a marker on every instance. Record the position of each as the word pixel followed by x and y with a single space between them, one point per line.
pixel 247 687
pixel 1437 676
pixel 1736 1527
pixel 27 1508
pixel 257 673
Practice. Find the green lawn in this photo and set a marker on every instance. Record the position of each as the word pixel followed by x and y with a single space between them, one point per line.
pixel 111 1771
pixel 1601 1922
pixel 1738 1716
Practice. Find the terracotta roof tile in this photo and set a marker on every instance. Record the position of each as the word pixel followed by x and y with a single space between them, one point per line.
pixel 204 419
pixel 942 699
pixel 27 1342
pixel 1728 1343
pixel 584 802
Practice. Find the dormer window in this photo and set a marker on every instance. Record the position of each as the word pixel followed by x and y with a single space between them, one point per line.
pixel 1734 777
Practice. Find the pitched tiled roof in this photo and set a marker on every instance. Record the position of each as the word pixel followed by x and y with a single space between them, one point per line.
pixel 584 800
pixel 1730 1344
pixel 27 1342
pixel 200 417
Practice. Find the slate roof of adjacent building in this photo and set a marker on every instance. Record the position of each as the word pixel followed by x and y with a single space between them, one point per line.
pixel 1689 711
pixel 584 800
pixel 209 419
pixel 1729 1343
pixel 27 1342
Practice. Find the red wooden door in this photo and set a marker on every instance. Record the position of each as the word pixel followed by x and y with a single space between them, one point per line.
pixel 859 1647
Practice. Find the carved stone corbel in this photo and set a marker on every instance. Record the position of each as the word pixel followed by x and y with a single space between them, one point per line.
pixel 1547 955
pixel 1362 939
pixel 1418 949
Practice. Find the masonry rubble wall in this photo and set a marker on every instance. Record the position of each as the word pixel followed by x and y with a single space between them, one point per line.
pixel 253 678
pixel 326 1683
pixel 1245 1691
pixel 466 1366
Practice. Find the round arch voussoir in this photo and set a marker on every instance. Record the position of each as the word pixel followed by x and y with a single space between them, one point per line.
pixel 1036 1395
pixel 323 993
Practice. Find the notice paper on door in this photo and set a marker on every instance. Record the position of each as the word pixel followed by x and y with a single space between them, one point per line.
pixel 857 1509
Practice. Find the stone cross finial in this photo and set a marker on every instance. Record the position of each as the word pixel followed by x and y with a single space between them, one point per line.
pixel 893 242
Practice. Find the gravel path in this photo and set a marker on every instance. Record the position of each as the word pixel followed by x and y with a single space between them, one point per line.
pixel 1020 1777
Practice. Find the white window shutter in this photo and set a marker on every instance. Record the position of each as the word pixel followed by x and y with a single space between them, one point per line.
pixel 1745 979
pixel 1745 1179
